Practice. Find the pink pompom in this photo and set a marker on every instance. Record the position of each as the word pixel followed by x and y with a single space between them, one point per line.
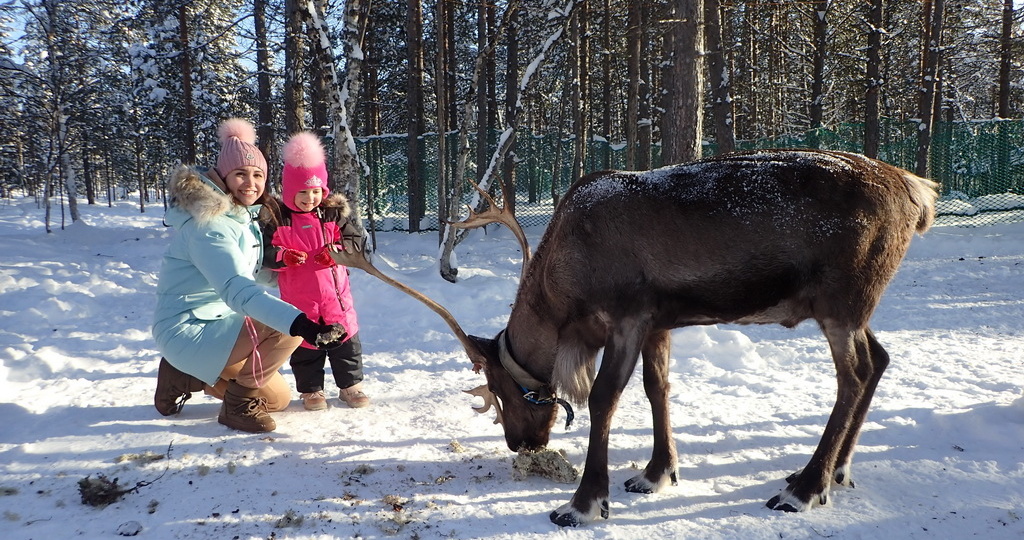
pixel 236 127
pixel 303 150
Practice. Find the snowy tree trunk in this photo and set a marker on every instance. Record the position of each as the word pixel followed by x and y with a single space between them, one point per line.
pixel 441 68
pixel 930 57
pixel 447 267
pixel 185 59
pixel 68 171
pixel 558 20
pixel 645 123
pixel 485 121
pixel 416 192
pixel 1006 43
pixel 874 73
pixel 721 81
pixel 819 53
pixel 264 90
pixel 633 59
pixel 58 123
pixel 343 96
pixel 512 110
pixel 684 89
pixel 580 105
pixel 606 84
pixel 294 59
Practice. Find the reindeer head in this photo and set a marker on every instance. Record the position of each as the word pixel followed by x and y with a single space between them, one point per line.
pixel 524 407
pixel 527 421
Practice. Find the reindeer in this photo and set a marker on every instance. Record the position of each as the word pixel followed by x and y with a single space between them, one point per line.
pixel 761 237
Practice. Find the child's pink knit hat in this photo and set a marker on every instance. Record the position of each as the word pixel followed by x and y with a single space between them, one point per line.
pixel 238 147
pixel 304 167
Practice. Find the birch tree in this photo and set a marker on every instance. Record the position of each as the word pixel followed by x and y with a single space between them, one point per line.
pixel 56 89
pixel 557 21
pixel 343 95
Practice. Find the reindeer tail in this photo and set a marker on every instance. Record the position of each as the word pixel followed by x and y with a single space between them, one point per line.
pixel 923 193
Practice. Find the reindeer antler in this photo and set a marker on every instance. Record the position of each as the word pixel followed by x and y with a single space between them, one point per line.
pixel 356 256
pixel 489 400
pixel 496 214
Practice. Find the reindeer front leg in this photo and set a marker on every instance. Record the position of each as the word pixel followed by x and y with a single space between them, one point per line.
pixel 661 469
pixel 591 497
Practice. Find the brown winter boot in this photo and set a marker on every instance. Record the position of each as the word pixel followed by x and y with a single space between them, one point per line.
pixel 245 410
pixel 173 388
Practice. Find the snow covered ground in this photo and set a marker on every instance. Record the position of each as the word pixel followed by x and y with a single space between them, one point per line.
pixel 941 456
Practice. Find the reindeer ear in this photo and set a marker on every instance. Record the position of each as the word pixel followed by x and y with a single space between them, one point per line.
pixel 487 346
pixel 487 349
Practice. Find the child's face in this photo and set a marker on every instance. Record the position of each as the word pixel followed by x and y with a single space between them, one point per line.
pixel 308 199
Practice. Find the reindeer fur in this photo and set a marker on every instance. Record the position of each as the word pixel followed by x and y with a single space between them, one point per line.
pixel 750 238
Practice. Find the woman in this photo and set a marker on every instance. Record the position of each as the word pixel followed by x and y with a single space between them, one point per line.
pixel 217 328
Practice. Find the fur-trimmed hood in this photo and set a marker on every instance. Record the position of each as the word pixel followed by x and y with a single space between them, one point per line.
pixel 196 193
pixel 339 201
pixel 336 207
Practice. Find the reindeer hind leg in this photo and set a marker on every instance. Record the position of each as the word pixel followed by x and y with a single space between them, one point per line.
pixel 859 361
pixel 878 363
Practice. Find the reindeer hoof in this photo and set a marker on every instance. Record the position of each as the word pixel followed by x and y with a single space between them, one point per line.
pixel 567 516
pixel 842 476
pixel 565 520
pixel 788 502
pixel 775 503
pixel 640 483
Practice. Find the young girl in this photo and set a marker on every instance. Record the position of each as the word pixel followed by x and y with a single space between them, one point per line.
pixel 309 226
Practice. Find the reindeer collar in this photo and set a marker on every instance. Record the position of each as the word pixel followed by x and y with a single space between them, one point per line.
pixel 520 375
pixel 534 391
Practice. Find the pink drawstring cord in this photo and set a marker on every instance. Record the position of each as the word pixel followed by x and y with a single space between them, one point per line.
pixel 257 360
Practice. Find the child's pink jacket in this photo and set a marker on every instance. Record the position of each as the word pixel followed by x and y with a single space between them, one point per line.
pixel 319 291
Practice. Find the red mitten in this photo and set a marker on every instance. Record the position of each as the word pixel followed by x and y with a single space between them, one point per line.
pixel 293 257
pixel 323 257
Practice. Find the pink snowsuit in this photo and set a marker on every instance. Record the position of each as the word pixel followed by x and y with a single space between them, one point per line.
pixel 319 291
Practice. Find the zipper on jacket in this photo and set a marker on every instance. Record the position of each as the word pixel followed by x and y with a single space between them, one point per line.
pixel 334 269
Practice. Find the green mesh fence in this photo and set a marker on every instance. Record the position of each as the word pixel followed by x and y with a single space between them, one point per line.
pixel 980 166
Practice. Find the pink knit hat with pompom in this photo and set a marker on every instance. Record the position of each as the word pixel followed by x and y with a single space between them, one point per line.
pixel 304 167
pixel 238 147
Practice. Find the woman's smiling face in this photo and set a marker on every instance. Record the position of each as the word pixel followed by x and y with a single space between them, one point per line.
pixel 246 184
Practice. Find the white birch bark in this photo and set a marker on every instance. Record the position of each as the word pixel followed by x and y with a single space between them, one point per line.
pixel 559 13
pixel 343 96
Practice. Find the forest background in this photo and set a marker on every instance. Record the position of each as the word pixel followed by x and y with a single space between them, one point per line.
pixel 100 99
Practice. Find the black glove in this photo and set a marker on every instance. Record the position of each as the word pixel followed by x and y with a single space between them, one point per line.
pixel 321 336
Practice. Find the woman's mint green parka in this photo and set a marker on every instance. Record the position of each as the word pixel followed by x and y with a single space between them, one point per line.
pixel 207 283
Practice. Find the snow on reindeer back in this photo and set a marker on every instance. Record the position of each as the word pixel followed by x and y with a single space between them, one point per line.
pixel 742 186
